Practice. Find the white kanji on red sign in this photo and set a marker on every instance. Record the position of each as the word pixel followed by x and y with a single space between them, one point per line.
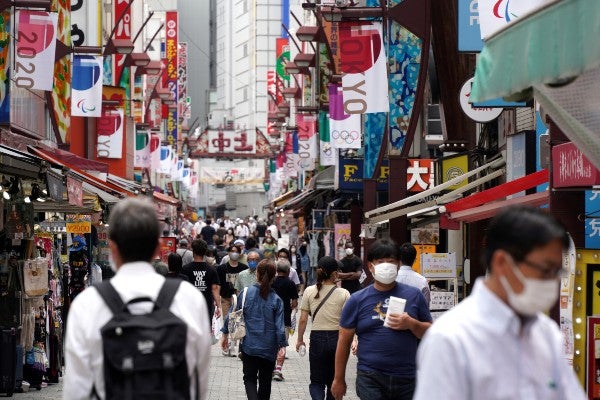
pixel 420 175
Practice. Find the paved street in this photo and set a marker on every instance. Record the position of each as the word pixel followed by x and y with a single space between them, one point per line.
pixel 226 379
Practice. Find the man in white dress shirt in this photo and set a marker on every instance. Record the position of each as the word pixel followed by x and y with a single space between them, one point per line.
pixel 133 240
pixel 498 343
pixel 407 275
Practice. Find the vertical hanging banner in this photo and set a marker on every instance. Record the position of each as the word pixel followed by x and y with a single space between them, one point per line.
pixel 35 49
pixel 272 129
pixel 5 30
pixel 166 158
pixel 123 31
pixel 328 154
pixel 86 23
pixel 60 109
pixel 496 14
pixel 171 75
pixel 364 69
pixel 142 149
pixel 86 94
pixel 307 141
pixel 182 103
pixel 154 152
pixel 110 133
pixel 344 129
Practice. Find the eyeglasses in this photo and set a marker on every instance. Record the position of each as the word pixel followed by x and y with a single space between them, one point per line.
pixel 547 272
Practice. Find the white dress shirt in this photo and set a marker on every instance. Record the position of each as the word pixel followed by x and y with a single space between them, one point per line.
pixel 412 278
pixel 480 350
pixel 88 314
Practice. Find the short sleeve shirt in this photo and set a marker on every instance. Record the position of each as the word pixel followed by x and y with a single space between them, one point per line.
pixel 286 290
pixel 228 276
pixel 328 317
pixel 202 276
pixel 351 264
pixel 244 279
pixel 365 312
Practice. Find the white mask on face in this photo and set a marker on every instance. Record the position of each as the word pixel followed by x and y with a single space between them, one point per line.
pixel 385 273
pixel 538 295
pixel 210 260
pixel 349 252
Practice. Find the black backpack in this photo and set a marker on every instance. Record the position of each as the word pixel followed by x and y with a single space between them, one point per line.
pixel 144 355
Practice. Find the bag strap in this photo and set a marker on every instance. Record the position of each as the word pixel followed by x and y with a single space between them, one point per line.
pixel 167 293
pixel 244 293
pixel 322 302
pixel 111 297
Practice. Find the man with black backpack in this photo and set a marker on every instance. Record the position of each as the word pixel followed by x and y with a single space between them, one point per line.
pixel 139 335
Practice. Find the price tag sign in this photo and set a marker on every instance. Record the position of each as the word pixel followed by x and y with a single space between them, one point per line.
pixel 438 265
pixel 442 300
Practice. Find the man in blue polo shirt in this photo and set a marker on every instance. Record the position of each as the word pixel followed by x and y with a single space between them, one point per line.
pixel 386 354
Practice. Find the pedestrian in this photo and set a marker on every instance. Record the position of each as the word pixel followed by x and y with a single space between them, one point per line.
pixel 288 293
pixel 208 232
pixel 284 254
pixel 269 247
pixel 406 275
pixel 228 275
pixel 325 300
pixel 304 262
pixel 251 245
pixel 185 253
pixel 175 264
pixel 296 264
pixel 247 277
pixel 498 343
pixel 351 270
pixel 203 276
pixel 229 237
pixel 386 353
pixel 133 240
pixel 265 332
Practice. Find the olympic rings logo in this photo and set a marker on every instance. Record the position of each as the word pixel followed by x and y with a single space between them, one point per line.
pixel 345 136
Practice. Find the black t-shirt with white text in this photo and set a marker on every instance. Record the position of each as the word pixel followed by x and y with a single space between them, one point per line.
pixel 228 276
pixel 202 276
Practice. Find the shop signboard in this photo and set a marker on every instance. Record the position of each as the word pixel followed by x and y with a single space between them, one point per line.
pixel 477 114
pixel 350 174
pixel 123 31
pixel 592 223
pixel 86 23
pixel 172 71
pixel 421 249
pixel 74 191
pixel 55 186
pixel 78 224
pixel 469 33
pixel 442 300
pixel 238 141
pixel 420 174
pixel 593 357
pixel 455 166
pixel 438 265
pixel 567 289
pixel 168 245
pixel 571 168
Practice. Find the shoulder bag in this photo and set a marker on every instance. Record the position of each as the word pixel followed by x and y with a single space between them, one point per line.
pixel 236 324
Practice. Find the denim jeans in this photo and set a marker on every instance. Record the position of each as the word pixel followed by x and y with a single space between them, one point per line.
pixel 322 363
pixel 374 385
pixel 257 368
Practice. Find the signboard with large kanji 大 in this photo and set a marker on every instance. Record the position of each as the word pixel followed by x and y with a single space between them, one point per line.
pixel 231 143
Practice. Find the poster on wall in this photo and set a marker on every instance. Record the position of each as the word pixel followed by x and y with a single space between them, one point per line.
pixel 567 288
pixel 110 133
pixel 341 236
pixel 438 265
pixel 167 245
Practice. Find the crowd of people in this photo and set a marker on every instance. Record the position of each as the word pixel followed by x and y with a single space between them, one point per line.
pixel 495 344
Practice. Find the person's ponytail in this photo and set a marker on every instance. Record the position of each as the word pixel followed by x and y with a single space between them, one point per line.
pixel 265 272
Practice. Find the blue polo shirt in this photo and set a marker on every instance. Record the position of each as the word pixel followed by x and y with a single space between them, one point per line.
pixel 380 349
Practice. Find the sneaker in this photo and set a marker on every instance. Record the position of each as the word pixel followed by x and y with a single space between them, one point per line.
pixel 277 376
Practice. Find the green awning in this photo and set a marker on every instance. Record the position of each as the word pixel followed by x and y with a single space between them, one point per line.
pixel 554 44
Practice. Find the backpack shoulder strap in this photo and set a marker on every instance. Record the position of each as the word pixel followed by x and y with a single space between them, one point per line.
pixel 111 297
pixel 167 293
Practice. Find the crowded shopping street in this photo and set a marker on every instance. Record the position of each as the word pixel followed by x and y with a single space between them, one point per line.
pixel 300 199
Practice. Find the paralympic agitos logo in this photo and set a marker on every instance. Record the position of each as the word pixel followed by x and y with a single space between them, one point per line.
pixel 502 10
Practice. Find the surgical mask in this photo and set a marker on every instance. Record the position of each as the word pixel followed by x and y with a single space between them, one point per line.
pixel 538 295
pixel 210 260
pixel 293 250
pixel 252 264
pixel 349 252
pixel 234 256
pixel 385 273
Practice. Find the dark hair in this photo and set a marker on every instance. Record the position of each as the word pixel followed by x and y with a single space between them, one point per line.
pixel 211 252
pixel 234 246
pixel 134 228
pixel 265 272
pixel 250 243
pixel 175 263
pixel 383 248
pixel 284 250
pixel 199 247
pixel 325 267
pixel 208 221
pixel 222 224
pixel 519 230
pixel 408 253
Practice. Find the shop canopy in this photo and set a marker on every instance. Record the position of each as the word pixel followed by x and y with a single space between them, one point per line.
pixel 13 162
pixel 553 55
pixel 82 163
pixel 420 202
pixel 487 203
pixel 277 202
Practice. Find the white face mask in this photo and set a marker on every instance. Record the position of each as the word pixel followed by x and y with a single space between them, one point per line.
pixel 385 273
pixel 349 252
pixel 538 295
pixel 210 260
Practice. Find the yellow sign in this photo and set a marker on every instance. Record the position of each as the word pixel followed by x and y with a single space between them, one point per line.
pixel 79 227
pixel 422 249
pixel 453 167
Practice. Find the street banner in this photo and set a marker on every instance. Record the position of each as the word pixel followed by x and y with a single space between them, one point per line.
pixel 178 176
pixel 35 49
pixel 469 33
pixel 60 105
pixel 327 154
pixel 86 23
pixel 86 92
pixel 374 126
pixel 364 67
pixel 166 158
pixel 171 75
pixel 182 101
pixel 154 152
pixel 110 133
pixel 142 149
pixel 185 177
pixel 5 64
pixel 307 141
pixel 123 31
pixel 496 14
pixel 454 166
pixel 344 129
pixel 238 141
pixel 231 176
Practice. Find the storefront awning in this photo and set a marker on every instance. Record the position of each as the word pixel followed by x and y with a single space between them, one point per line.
pixel 106 197
pixel 82 163
pixel 16 163
pixel 491 209
pixel 556 43
pixel 165 198
pixel 303 198
pixel 323 179
pixel 279 201
pixel 419 201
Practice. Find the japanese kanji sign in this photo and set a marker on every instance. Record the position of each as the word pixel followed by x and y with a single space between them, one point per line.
pixel 420 175
pixel 231 141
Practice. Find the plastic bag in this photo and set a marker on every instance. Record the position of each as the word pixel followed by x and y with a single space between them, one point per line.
pixel 217 324
pixel 294 322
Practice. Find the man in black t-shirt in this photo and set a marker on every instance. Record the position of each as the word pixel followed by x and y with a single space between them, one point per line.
pixel 228 273
pixel 352 268
pixel 287 291
pixel 203 276
pixel 207 233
